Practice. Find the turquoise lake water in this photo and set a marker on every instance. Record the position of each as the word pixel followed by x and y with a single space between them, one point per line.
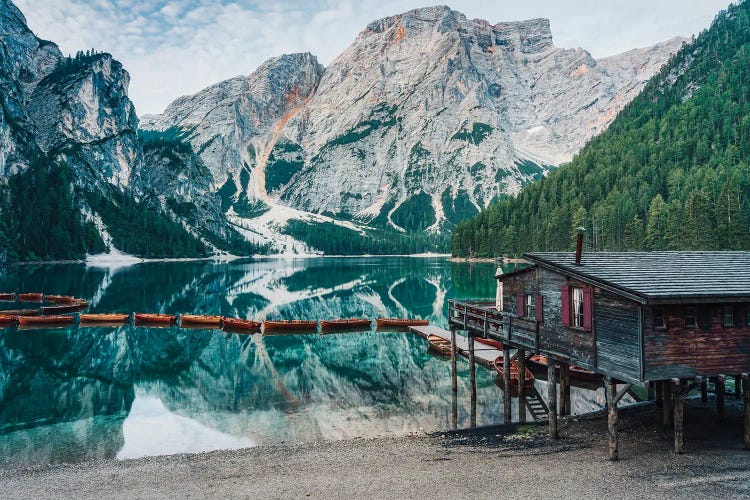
pixel 84 393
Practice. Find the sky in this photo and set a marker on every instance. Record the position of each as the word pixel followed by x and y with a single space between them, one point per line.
pixel 177 47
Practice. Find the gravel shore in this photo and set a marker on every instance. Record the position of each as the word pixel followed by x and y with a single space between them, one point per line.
pixel 518 462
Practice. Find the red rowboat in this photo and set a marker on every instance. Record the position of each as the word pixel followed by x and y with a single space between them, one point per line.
pixel 291 325
pixel 200 321
pixel 6 320
pixel 342 324
pixel 400 322
pixel 59 299
pixel 30 297
pixel 237 325
pixel 146 319
pixel 490 342
pixel 70 308
pixel 514 375
pixel 7 297
pixel 20 312
pixel 110 319
pixel 575 371
pixel 45 320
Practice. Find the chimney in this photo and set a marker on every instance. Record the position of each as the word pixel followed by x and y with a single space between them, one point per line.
pixel 579 245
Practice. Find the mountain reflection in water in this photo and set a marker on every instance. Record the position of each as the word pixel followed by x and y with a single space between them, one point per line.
pixel 125 392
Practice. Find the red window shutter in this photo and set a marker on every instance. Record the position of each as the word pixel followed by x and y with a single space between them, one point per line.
pixel 587 310
pixel 565 305
pixel 521 305
pixel 539 308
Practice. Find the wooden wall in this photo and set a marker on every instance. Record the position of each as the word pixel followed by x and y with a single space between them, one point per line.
pixel 707 349
pixel 617 321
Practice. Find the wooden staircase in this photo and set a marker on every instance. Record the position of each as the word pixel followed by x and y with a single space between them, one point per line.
pixel 536 405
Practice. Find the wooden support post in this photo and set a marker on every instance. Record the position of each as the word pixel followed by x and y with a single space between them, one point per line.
pixel 746 387
pixel 659 398
pixel 454 410
pixel 737 387
pixel 610 389
pixel 521 386
pixel 565 389
pixel 472 381
pixel 719 383
pixel 552 397
pixel 454 355
pixel 506 385
pixel 704 391
pixel 651 392
pixel 667 405
pixel 679 411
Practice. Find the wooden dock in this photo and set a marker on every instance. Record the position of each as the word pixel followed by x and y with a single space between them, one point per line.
pixel 483 354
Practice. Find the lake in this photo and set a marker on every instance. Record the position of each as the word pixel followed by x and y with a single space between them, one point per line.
pixel 92 393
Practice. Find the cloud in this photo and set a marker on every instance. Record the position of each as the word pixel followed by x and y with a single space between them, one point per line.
pixel 177 47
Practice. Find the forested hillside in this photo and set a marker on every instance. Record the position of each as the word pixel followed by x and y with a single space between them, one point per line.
pixel 671 172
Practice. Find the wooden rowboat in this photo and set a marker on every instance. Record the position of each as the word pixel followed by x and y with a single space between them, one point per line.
pixel 6 320
pixel 109 319
pixel 291 325
pixel 400 322
pixel 342 324
pixel 200 321
pixel 575 371
pixel 439 344
pixel 237 325
pixel 20 312
pixel 69 308
pixel 59 299
pixel 7 297
pixel 514 374
pixel 490 342
pixel 45 320
pixel 147 319
pixel 30 297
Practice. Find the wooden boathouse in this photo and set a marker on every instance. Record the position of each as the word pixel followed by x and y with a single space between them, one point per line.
pixel 670 321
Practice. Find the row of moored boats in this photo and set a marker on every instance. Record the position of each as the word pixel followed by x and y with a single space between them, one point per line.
pixel 60 308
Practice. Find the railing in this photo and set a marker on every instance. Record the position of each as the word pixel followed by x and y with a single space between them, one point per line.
pixel 479 315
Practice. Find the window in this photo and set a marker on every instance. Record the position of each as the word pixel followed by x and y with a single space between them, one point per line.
pixel 659 318
pixel 530 308
pixel 577 299
pixel 728 316
pixel 690 317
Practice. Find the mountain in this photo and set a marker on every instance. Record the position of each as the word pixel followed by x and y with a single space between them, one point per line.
pixel 671 172
pixel 75 177
pixel 426 118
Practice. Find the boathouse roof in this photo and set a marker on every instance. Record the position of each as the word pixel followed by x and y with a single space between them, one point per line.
pixel 658 276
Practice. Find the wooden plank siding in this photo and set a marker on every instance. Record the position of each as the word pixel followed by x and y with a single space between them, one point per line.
pixel 618 345
pixel 707 349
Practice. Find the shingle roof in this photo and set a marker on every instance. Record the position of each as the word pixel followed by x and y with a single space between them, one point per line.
pixel 659 275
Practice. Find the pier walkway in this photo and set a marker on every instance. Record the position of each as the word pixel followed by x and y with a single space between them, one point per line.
pixel 483 354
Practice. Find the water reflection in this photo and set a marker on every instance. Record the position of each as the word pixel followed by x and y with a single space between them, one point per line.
pixel 127 392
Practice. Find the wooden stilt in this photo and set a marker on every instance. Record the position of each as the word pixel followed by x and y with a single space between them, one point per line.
pixel 667 405
pixel 506 385
pixel 679 411
pixel 454 356
pixel 472 381
pixel 719 383
pixel 737 387
pixel 610 389
pixel 521 386
pixel 564 389
pixel 659 399
pixel 454 410
pixel 746 387
pixel 651 392
pixel 552 397
pixel 704 391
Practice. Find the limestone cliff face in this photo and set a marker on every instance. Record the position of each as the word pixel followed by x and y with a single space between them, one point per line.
pixel 425 111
